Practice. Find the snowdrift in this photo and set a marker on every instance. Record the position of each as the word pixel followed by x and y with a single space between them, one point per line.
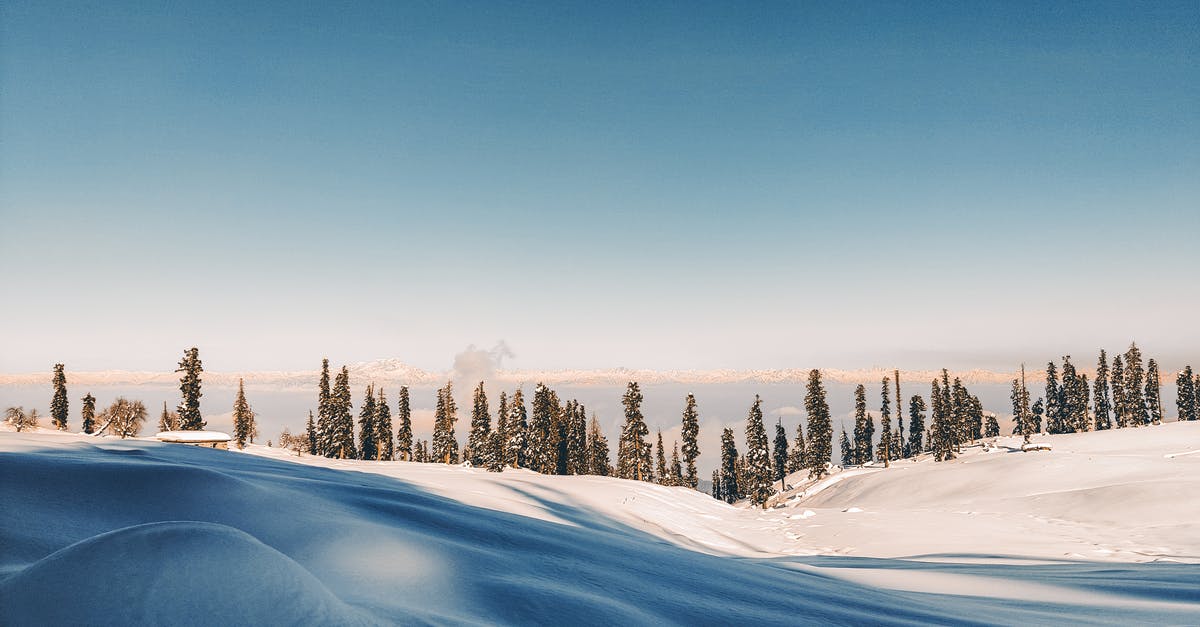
pixel 101 531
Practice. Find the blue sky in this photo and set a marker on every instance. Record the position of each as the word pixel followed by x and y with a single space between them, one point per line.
pixel 661 185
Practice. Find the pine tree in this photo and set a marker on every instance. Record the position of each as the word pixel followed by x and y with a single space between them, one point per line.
pixel 730 490
pixel 597 450
pixel 1135 398
pixel 780 458
pixel 716 485
pixel 1069 399
pixel 59 406
pixel 88 414
pixel 481 428
pixel 543 431
pixel 975 417
pixel 495 458
pixel 898 443
pixel 242 415
pixel 500 452
pixel 518 432
pixel 943 438
pixel 1100 392
pixel 690 433
pixel 1035 419
pixel 796 456
pixel 820 429
pixel 324 412
pixel 1185 398
pixel 885 426
pixel 341 419
pixel 848 453
pixel 310 431
pixel 661 474
pixel 383 429
pixel 445 446
pixel 189 387
pixel 367 446
pixel 676 467
pixel 168 420
pixel 1053 397
pixel 864 428
pixel 404 432
pixel 992 428
pixel 916 425
pixel 633 452
pixel 1120 406
pixel 1154 411
pixel 577 452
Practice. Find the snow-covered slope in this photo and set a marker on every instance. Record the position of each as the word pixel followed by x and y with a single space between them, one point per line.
pixel 104 531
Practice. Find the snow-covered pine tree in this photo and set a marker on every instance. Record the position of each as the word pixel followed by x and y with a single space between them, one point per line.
pixel 1100 392
pixel 518 432
pixel 577 451
pixel 1135 395
pixel 796 456
pixel 1154 412
pixel 690 433
pixel 88 414
pixel 779 459
pixel 916 426
pixel 820 428
pixel 942 441
pixel 481 428
pixel 341 419
pixel 242 416
pixel 1054 421
pixel 310 432
pixel 598 463
pixel 676 467
pixel 730 490
pixel 1120 406
pixel 885 425
pixel 496 442
pixel 543 431
pixel 633 456
pixel 189 387
pixel 991 428
pixel 501 452
pixel 1083 395
pixel 324 412
pixel 848 454
pixel 864 428
pixel 383 428
pixel 1035 415
pixel 1069 408
pixel 898 444
pixel 960 412
pixel 975 417
pixel 59 406
pixel 716 485
pixel 404 432
pixel 661 472
pixel 560 424
pixel 368 448
pixel 445 445
pixel 167 420
pixel 743 476
pixel 1185 394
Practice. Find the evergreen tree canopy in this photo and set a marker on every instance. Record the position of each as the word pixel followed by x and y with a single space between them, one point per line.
pixel 324 412
pixel 597 450
pixel 341 420
pixel 310 431
pixel 500 442
pixel 59 406
pixel 864 428
pixel 1100 392
pixel 445 446
pixel 676 467
pixel 481 428
pixel 796 456
pixel 779 459
pixel 1185 398
pixel 633 451
pixel 88 413
pixel 662 474
pixel 758 457
pixel 1135 397
pixel 1120 406
pixel 690 433
pixel 820 428
pixel 242 416
pixel 518 432
pixel 383 428
pixel 189 387
pixel 404 432
pixel 367 446
pixel 885 425
pixel 730 490
pixel 848 453
pixel 1153 394
pixel 916 425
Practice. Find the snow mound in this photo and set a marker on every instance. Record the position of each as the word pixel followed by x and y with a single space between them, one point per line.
pixel 169 573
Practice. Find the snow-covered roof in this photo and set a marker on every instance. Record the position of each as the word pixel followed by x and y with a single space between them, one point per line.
pixel 192 436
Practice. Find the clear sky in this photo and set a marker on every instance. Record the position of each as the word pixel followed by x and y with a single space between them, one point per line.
pixel 657 185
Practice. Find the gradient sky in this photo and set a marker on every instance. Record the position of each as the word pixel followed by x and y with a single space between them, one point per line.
pixel 652 185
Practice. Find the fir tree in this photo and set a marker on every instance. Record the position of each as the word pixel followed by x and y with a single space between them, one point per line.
pixel 88 414
pixel 1100 392
pixel 518 432
pixel 662 474
pixel 676 467
pixel 324 412
pixel 1185 397
pixel 780 458
pixel 1036 413
pixel 820 429
pixel 495 458
pixel 898 443
pixel 633 452
pixel 59 406
pixel 864 428
pixel 796 456
pixel 577 453
pixel 168 420
pixel 1054 421
pixel 242 415
pixel 848 453
pixel 445 446
pixel 189 387
pixel 916 425
pixel 992 428
pixel 690 433
pixel 367 446
pixel 543 431
pixel 481 428
pixel 341 420
pixel 310 431
pixel 597 450
pixel 1120 406
pixel 383 429
pixel 1135 378
pixel 975 417
pixel 1153 393
pixel 404 432
pixel 942 442
pixel 885 426
pixel 501 452
pixel 716 485
pixel 730 490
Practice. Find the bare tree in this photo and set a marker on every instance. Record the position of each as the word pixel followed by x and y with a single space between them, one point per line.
pixel 20 420
pixel 297 443
pixel 123 418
